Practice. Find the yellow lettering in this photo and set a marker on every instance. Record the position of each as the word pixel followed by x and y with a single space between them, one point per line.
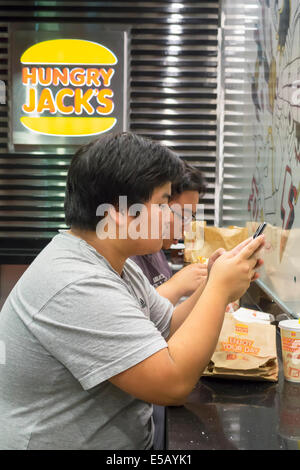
pixel 61 76
pixel 107 76
pixel 92 77
pixel 59 99
pixel 77 76
pixel 28 75
pixel 103 98
pixel 45 76
pixel 82 101
pixel 28 108
pixel 46 102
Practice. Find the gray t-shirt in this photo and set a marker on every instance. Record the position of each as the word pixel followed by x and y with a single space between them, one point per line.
pixel 70 323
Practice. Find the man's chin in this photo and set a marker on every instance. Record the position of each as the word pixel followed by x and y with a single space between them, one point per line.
pixel 153 248
pixel 168 243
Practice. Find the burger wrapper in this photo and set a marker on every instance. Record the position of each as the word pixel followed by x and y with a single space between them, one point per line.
pixel 245 351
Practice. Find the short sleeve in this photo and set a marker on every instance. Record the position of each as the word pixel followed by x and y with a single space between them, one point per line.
pixel 96 330
pixel 161 310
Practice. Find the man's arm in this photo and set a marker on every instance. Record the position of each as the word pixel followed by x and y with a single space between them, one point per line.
pixel 184 283
pixel 183 310
pixel 168 376
pixel 170 291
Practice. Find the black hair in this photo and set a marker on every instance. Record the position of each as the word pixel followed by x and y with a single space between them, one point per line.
pixel 192 179
pixel 115 165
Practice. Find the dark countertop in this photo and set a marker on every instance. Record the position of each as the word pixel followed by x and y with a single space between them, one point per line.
pixel 238 415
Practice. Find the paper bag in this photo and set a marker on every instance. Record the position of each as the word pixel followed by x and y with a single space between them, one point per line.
pixel 245 351
pixel 202 241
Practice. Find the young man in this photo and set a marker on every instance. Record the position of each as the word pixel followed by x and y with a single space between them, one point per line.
pixel 185 193
pixel 89 342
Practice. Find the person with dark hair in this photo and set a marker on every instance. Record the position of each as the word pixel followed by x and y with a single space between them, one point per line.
pixel 122 164
pixel 90 343
pixel 186 191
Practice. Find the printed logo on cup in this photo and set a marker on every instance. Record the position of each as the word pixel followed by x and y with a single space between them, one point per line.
pixel 290 341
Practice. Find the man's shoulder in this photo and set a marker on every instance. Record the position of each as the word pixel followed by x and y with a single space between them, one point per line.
pixel 61 265
pixel 133 264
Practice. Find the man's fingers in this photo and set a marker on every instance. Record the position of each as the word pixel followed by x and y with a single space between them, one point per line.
pixel 202 270
pixel 217 253
pixel 200 266
pixel 254 264
pixel 259 263
pixel 252 247
pixel 254 277
pixel 240 246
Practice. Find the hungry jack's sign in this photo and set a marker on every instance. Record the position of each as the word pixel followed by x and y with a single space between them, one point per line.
pixel 67 90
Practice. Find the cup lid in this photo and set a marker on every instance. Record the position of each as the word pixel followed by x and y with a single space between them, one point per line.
pixel 289 325
pixel 177 246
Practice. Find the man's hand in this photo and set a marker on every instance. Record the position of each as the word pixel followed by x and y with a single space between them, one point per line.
pixel 184 283
pixel 234 251
pixel 189 278
pixel 169 375
pixel 213 258
pixel 235 269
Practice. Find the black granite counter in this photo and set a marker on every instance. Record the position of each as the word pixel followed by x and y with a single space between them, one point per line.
pixel 234 414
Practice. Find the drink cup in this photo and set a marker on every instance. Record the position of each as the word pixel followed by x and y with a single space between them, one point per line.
pixel 177 253
pixel 290 342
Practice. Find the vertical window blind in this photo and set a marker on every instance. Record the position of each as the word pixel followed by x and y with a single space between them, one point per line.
pixel 237 20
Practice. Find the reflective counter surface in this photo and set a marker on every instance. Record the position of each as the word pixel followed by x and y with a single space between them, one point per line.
pixel 223 414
